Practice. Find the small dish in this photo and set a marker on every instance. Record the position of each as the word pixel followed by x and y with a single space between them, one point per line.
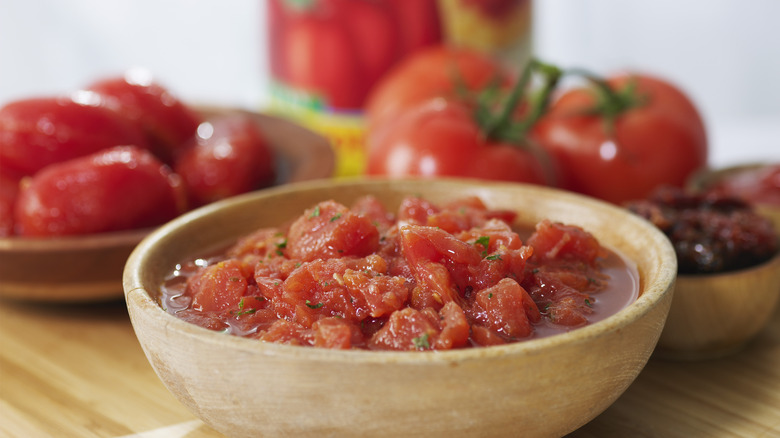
pixel 89 268
pixel 716 315
pixel 547 386
pixel 766 200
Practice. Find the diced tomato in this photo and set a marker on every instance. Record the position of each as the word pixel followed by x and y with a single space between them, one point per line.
pixel 555 240
pixel 505 308
pixel 331 230
pixel 220 286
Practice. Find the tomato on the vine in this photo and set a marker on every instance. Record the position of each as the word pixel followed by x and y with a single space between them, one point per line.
pixel 619 141
pixel 441 138
pixel 462 134
pixel 436 71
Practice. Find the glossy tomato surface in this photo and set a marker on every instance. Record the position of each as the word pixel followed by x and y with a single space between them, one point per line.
pixel 228 156
pixel 662 140
pixel 436 71
pixel 441 138
pixel 9 189
pixel 37 132
pixel 165 120
pixel 115 189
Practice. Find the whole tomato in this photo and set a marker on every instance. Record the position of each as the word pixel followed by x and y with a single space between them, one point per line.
pixel 622 139
pixel 165 120
pixel 115 189
pixel 475 135
pixel 37 132
pixel 229 156
pixel 436 71
pixel 442 138
pixel 9 189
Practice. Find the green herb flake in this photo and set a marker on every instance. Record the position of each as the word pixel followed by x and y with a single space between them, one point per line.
pixel 282 244
pixel 315 212
pixel 313 306
pixel 494 257
pixel 588 303
pixel 490 295
pixel 421 342
pixel 246 312
pixel 335 217
pixel 241 304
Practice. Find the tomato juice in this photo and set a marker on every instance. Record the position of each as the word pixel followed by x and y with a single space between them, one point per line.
pixel 425 277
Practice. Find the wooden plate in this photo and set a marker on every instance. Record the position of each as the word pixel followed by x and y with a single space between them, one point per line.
pixel 89 268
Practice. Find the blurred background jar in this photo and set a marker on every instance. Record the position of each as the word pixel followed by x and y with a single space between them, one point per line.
pixel 325 56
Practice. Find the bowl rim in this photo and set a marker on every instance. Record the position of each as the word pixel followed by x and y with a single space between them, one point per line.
pixel 136 295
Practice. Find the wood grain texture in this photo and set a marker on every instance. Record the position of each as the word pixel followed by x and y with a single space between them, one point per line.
pixel 77 371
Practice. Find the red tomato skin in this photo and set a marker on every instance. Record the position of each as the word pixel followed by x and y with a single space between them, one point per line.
pixel 116 189
pixel 320 59
pixel 9 190
pixel 661 142
pixel 233 156
pixel 426 74
pixel 374 32
pixel 37 132
pixel 419 23
pixel 166 121
pixel 440 138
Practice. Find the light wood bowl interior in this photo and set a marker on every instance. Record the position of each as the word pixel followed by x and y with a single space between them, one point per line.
pixel 89 268
pixel 716 315
pixel 541 387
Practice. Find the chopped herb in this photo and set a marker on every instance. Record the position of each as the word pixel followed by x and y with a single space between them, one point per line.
pixel 335 217
pixel 259 298
pixel 494 257
pixel 279 252
pixel 241 304
pixel 490 295
pixel 298 265
pixel 276 283
pixel 484 241
pixel 421 342
pixel 315 212
pixel 282 244
pixel 246 312
pixel 313 306
pixel 588 303
pixel 535 271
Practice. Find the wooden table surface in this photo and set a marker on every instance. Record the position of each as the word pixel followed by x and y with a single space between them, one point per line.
pixel 78 371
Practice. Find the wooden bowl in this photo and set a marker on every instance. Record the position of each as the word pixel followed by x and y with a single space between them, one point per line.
pixel 541 387
pixel 716 315
pixel 89 268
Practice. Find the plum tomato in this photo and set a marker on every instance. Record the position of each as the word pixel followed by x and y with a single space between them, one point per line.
pixel 119 188
pixel 229 155
pixel 9 189
pixel 441 138
pixel 435 71
pixel 166 121
pixel 37 132
pixel 620 141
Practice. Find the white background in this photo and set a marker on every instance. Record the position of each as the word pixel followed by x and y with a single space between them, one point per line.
pixel 724 53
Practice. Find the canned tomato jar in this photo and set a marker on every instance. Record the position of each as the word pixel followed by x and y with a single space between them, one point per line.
pixel 327 55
